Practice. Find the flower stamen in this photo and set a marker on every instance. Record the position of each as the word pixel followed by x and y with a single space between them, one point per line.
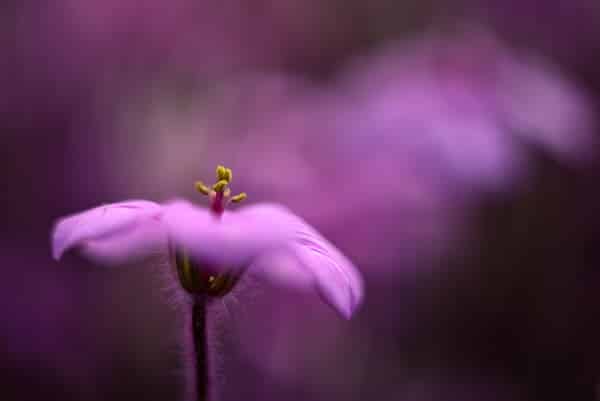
pixel 239 197
pixel 220 186
pixel 203 189
pixel 219 193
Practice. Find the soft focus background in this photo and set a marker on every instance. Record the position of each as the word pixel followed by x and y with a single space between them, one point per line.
pixel 448 147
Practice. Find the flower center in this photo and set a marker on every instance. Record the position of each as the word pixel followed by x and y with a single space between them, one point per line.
pixel 198 279
pixel 219 193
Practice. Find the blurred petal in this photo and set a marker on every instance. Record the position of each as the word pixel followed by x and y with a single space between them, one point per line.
pixel 230 241
pixel 337 280
pixel 111 234
pixel 274 242
pixel 335 276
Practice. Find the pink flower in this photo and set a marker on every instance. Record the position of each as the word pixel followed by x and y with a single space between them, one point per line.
pixel 212 248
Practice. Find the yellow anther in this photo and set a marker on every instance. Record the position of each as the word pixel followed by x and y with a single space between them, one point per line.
pixel 224 173
pixel 203 189
pixel 221 172
pixel 220 191
pixel 220 185
pixel 238 198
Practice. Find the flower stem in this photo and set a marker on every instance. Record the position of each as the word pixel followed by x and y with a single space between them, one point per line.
pixel 200 348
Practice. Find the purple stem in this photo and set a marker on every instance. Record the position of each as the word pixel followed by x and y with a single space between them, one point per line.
pixel 200 348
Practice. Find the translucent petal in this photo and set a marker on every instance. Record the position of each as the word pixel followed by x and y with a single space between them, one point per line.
pixel 112 234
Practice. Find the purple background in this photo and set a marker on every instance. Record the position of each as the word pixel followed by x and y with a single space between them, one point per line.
pixel 449 148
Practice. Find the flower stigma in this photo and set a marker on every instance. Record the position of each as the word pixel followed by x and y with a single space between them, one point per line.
pixel 219 193
pixel 194 277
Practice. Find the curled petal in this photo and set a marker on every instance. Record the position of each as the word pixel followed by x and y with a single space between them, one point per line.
pixel 111 234
pixel 274 243
pixel 335 277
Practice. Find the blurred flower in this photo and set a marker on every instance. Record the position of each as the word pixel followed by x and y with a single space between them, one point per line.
pixel 265 238
pixel 429 124
pixel 411 136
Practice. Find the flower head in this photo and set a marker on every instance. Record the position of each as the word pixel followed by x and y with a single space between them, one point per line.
pixel 211 248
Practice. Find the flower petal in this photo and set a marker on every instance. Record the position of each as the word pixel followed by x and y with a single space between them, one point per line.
pixel 273 242
pixel 111 234
pixel 334 276
pixel 227 242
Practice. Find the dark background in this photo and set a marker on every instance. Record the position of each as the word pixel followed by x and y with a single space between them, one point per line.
pixel 448 147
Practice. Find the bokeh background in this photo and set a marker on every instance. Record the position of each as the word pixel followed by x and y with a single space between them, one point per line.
pixel 448 147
